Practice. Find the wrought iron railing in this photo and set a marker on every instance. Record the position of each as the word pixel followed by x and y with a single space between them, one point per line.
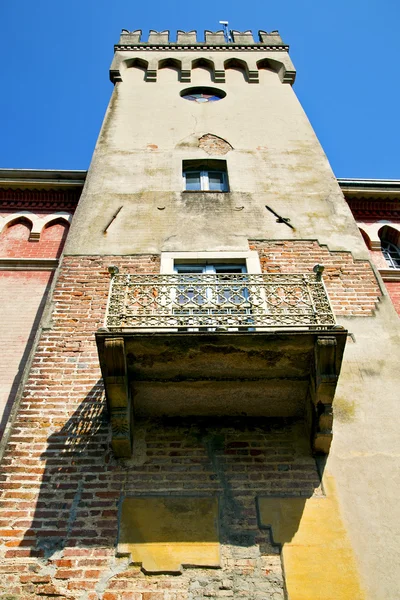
pixel 218 302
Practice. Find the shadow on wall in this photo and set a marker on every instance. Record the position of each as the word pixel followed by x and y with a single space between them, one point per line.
pixel 70 505
pixel 232 459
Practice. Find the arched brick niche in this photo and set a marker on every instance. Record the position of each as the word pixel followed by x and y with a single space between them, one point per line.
pixel 30 235
pixel 14 239
pixel 53 236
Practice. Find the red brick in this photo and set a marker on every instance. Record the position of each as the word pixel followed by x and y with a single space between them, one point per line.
pixel 63 563
pixel 32 578
pixel 64 393
pixel 340 276
pixel 68 574
pixel 81 585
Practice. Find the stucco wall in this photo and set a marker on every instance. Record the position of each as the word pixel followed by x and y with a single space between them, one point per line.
pixel 364 456
pixel 276 160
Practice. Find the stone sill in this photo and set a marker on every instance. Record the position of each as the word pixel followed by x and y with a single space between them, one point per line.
pixel 390 274
pixel 28 264
pixel 205 192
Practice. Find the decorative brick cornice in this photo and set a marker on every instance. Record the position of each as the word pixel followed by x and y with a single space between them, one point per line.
pixel 12 198
pixel 383 208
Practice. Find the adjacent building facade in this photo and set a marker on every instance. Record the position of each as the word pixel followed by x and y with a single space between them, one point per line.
pixel 209 408
pixel 36 209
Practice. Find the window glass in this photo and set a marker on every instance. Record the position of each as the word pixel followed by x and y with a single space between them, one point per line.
pixel 216 181
pixel 202 94
pixel 391 254
pixel 209 268
pixel 205 176
pixel 201 98
pixel 189 269
pixel 193 180
pixel 230 268
pixel 210 299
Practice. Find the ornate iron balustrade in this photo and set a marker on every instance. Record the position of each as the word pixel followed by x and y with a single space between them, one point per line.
pixel 218 302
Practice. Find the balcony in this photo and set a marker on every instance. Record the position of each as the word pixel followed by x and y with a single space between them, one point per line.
pixel 217 345
pixel 218 302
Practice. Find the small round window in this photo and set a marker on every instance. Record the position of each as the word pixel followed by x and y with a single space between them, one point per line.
pixel 202 94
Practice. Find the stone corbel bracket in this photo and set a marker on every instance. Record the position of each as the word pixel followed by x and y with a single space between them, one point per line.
pixel 328 352
pixel 133 56
pixel 118 396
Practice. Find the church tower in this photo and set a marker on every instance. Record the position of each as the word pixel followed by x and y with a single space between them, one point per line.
pixel 205 415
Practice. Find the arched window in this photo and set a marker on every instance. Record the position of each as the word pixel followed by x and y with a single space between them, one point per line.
pixel 391 253
pixel 390 245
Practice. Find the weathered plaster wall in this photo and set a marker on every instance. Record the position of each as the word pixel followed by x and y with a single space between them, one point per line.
pixel 364 456
pixel 276 160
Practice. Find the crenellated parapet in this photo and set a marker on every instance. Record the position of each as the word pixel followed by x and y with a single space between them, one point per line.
pixel 241 51
pixel 211 38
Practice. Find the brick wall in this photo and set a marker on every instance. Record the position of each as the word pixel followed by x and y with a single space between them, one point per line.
pixel 14 241
pixel 214 145
pixel 351 284
pixel 62 487
pixel 393 287
pixel 22 298
pixel 378 259
pixel 386 232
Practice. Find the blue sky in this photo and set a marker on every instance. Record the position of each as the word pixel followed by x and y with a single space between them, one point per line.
pixel 56 55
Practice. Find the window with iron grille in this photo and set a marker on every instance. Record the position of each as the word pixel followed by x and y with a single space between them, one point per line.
pixel 391 253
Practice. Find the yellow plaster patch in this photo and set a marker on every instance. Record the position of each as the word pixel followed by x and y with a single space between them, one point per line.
pixel 164 533
pixel 344 409
pixel 318 560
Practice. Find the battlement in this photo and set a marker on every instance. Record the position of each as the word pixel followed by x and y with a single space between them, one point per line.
pixel 211 38
pixel 184 53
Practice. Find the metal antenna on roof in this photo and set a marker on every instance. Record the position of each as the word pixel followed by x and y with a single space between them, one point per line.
pixel 227 35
